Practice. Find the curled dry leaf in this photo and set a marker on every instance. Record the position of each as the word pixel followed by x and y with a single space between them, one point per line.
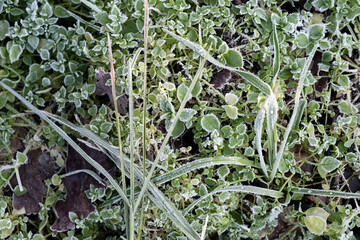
pixel 221 78
pixel 40 166
pixel 102 89
pixel 76 200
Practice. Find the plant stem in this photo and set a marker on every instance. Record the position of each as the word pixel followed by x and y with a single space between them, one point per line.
pixel 126 209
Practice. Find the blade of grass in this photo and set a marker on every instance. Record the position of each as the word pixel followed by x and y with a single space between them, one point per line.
pixel 237 188
pixel 332 213
pixel 295 112
pixel 168 135
pixel 203 232
pixel 276 63
pixel 251 78
pixel 271 119
pixel 325 193
pixel 201 163
pixel 87 171
pixel 66 137
pixel 302 104
pixel 259 121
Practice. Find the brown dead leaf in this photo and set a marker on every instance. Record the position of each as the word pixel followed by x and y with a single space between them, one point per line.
pixel 76 200
pixel 220 79
pixel 102 89
pixel 40 166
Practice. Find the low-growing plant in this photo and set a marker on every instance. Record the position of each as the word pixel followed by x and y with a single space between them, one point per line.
pixel 163 107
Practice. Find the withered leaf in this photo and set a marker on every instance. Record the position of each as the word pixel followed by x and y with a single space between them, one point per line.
pixel 102 89
pixel 40 166
pixel 322 83
pixel 76 200
pixel 221 78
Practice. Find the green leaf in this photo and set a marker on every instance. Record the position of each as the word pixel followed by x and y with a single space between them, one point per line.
pixel 302 40
pixel 21 158
pixel 231 111
pixel 18 191
pixel 15 52
pixel 178 130
pixel 33 41
pixel 315 224
pixel 231 98
pixel 329 164
pixel 210 123
pixel 234 59
pixel 5 223
pixel 223 171
pixel 187 114
pixel 69 80
pixel 181 92
pixel 315 220
pixel 4 29
pixel 46 10
pixel 61 12
pixel 317 31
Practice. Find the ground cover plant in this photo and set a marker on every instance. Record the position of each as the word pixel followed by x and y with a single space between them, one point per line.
pixel 179 119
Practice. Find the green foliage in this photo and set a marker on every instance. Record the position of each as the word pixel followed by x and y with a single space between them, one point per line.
pixel 293 81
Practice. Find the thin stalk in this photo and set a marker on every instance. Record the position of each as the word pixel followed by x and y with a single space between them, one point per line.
pixel 112 70
pixel 146 34
pixel 168 135
pixel 132 132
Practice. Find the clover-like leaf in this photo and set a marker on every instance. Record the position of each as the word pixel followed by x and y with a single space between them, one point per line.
pixel 315 220
pixel 187 114
pixel 234 59
pixel 231 111
pixel 210 123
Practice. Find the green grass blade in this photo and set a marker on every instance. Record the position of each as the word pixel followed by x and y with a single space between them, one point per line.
pixel 87 171
pixel 66 137
pixel 201 163
pixel 276 62
pixel 271 119
pixel 237 188
pixel 302 104
pixel 325 193
pixel 259 121
pixel 92 6
pixel 172 212
pixel 295 112
pixel 251 78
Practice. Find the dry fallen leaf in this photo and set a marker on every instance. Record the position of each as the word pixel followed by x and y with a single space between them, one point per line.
pixel 40 166
pixel 76 200
pixel 221 78
pixel 102 89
